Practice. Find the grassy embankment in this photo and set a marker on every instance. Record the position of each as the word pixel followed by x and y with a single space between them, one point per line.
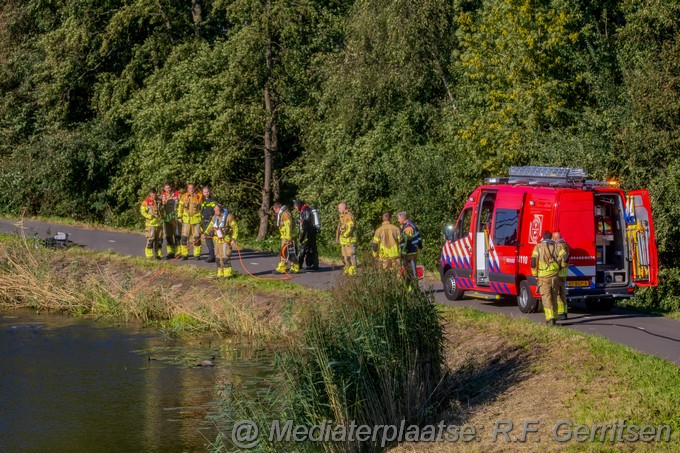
pixel 490 368
pixel 164 294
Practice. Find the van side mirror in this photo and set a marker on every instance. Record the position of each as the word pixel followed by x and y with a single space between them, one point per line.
pixel 449 233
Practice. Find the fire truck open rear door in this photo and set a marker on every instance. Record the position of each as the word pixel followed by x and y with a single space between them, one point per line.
pixel 640 239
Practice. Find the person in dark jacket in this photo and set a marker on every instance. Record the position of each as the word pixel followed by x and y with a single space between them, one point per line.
pixel 207 212
pixel 308 253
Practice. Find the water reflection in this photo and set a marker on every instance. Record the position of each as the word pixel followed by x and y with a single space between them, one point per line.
pixel 74 385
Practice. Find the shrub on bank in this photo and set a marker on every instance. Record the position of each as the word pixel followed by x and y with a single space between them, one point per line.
pixel 664 298
pixel 372 356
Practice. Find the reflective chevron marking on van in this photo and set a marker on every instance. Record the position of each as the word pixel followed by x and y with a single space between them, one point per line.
pixel 581 271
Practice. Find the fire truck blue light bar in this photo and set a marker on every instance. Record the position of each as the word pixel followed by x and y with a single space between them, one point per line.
pixel 548 173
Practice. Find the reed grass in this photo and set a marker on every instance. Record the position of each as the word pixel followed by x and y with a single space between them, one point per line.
pixel 373 355
pixel 117 288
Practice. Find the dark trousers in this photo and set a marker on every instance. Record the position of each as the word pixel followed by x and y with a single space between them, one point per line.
pixel 309 255
pixel 211 247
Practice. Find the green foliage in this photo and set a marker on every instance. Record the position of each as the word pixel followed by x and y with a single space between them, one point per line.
pixel 663 299
pixel 388 105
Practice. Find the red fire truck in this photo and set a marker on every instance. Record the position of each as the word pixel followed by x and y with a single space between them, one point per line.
pixel 611 236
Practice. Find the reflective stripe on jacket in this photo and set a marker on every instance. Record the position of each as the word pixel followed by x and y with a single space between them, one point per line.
pixel 563 254
pixel 346 230
pixel 545 259
pixel 387 237
pixel 169 205
pixel 411 241
pixel 150 210
pixel 285 224
pixel 223 228
pixel 189 209
pixel 207 211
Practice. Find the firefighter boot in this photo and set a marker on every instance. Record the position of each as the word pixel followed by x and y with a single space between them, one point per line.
pixel 148 252
pixel 295 268
pixel 281 268
pixel 184 252
pixel 352 270
pixel 549 316
pixel 197 251
pixel 228 272
pixel 220 272
pixel 561 311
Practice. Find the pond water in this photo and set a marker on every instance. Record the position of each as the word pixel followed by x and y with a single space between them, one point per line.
pixel 69 384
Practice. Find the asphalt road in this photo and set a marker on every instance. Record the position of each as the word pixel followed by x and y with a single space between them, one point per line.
pixel 651 334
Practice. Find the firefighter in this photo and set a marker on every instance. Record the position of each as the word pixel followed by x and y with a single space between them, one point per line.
pixel 189 211
pixel 207 210
pixel 307 237
pixel 385 244
pixel 545 265
pixel 150 210
pixel 224 231
pixel 284 220
pixel 171 225
pixel 411 243
pixel 346 236
pixel 563 251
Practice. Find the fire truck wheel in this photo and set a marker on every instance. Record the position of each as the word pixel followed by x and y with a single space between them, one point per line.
pixel 451 289
pixel 604 304
pixel 526 302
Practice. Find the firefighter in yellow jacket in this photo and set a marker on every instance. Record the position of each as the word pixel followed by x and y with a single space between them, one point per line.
pixel 545 265
pixel 189 211
pixel 563 252
pixel 284 220
pixel 385 244
pixel 151 211
pixel 346 235
pixel 224 231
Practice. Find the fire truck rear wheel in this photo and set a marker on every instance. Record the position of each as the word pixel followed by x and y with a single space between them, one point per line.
pixel 526 302
pixel 451 289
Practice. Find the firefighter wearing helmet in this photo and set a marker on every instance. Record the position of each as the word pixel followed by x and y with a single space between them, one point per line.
pixel 545 265
pixel 346 235
pixel 284 220
pixel 224 231
pixel 385 244
pixel 189 211
pixel 150 209
pixel 563 251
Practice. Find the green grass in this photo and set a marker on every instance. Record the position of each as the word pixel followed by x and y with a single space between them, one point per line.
pixel 606 381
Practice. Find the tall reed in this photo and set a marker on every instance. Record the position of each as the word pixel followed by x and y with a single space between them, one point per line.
pixel 371 356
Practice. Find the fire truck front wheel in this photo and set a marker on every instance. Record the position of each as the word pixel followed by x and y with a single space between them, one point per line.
pixel 451 289
pixel 526 302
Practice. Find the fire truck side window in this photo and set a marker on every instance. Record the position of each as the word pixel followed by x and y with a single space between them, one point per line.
pixel 463 225
pixel 505 227
pixel 484 222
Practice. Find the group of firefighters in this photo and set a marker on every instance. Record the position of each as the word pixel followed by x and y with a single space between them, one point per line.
pixel 189 219
pixel 186 220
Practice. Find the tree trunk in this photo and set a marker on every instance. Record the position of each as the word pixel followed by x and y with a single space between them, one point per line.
pixel 271 143
pixel 276 185
pixel 197 15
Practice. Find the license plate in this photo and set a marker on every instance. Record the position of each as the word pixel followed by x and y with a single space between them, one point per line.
pixel 578 282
